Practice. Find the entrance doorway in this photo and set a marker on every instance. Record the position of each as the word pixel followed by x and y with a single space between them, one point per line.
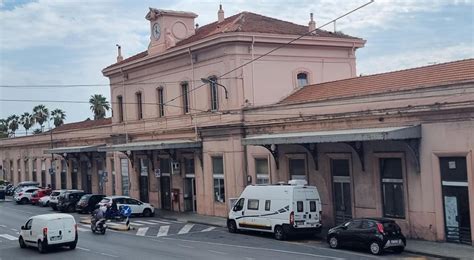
pixel 190 194
pixel 455 199
pixel 165 183
pixel 143 180
pixel 341 190
pixel 86 177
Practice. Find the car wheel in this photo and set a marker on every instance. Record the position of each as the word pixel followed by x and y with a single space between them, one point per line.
pixel 22 242
pixel 232 226
pixel 73 245
pixel 147 213
pixel 279 233
pixel 398 250
pixel 334 242
pixel 375 248
pixel 24 200
pixel 41 247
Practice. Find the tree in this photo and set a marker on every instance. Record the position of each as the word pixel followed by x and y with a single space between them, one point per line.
pixel 37 131
pixel 3 128
pixel 58 117
pixel 99 105
pixel 40 114
pixel 13 123
pixel 27 121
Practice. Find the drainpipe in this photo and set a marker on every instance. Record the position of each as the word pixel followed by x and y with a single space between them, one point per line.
pixel 253 87
pixel 194 93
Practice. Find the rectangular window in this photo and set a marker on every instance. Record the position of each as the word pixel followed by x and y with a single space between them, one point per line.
pixel 392 187
pixel 120 108
pixel 139 105
pixel 161 102
pixel 35 161
pixel 185 96
pixel 43 173
pixel 112 168
pixel 189 165
pixel 12 172
pixel 125 181
pixel 63 174
pixel 297 169
pixel 143 167
pixel 252 204
pixel 312 206
pixel 214 93
pixel 261 169
pixel 18 166
pixel 74 171
pixel 27 170
pixel 299 206
pixel 267 205
pixel 218 174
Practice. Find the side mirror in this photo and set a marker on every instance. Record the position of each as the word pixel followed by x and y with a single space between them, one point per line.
pixel 22 227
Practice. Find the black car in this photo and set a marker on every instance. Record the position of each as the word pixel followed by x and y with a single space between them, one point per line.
pixel 67 201
pixel 375 234
pixel 87 203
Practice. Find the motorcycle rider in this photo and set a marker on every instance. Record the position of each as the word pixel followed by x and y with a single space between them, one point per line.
pixel 97 215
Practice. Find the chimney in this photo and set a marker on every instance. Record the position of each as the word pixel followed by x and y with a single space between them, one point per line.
pixel 220 14
pixel 312 24
pixel 119 55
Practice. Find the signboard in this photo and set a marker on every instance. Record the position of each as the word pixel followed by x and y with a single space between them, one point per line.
pixel 126 211
pixel 51 171
pixel 158 173
pixel 452 164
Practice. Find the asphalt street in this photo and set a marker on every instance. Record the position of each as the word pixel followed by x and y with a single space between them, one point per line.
pixel 156 238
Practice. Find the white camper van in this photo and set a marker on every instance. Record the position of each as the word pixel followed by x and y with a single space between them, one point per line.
pixel 282 209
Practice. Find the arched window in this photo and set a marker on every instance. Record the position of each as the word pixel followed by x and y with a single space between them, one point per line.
pixel 214 93
pixel 161 102
pixel 185 96
pixel 120 108
pixel 302 78
pixel 139 105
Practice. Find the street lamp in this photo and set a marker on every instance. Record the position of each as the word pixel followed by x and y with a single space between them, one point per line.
pixel 207 81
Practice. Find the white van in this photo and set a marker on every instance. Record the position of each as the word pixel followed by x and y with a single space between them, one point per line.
pixel 280 209
pixel 48 230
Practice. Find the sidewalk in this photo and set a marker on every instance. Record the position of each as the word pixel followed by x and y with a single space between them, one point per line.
pixel 192 218
pixel 428 248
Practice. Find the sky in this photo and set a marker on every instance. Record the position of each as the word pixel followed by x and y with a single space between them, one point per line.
pixel 64 42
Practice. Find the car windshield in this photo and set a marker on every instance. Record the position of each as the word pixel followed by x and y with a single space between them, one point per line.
pixel 391 226
pixel 86 197
pixel 56 193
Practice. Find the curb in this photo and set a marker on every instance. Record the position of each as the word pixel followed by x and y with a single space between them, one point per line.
pixel 431 255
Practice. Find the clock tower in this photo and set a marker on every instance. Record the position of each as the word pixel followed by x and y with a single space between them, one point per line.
pixel 167 28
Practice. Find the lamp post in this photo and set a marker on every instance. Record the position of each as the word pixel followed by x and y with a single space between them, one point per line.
pixel 207 81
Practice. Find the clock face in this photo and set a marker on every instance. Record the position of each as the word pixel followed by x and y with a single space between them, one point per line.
pixel 156 31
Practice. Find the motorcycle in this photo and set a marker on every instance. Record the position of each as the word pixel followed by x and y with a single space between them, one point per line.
pixel 99 226
pixel 115 215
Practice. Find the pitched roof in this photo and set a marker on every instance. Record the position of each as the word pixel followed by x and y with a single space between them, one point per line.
pixel 428 76
pixel 84 124
pixel 245 22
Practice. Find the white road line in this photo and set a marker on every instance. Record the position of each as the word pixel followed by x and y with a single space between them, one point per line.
pixel 13 229
pixel 109 255
pixel 83 249
pixel 217 252
pixel 208 229
pixel 3 226
pixel 86 226
pixel 254 248
pixel 160 222
pixel 144 222
pixel 185 246
pixel 9 237
pixel 186 229
pixel 163 231
pixel 134 223
pixel 142 231
pixel 82 229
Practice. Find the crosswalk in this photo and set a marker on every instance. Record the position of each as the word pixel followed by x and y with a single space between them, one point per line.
pixel 8 237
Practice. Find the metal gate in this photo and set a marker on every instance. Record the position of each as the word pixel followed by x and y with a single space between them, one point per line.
pixel 342 199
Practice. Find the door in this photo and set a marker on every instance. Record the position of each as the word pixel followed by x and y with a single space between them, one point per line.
pixel 238 212
pixel 86 178
pixel 165 184
pixel 27 233
pixel 189 194
pixel 143 180
pixel 342 199
pixel 455 199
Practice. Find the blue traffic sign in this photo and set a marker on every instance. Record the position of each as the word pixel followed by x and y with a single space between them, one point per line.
pixel 126 211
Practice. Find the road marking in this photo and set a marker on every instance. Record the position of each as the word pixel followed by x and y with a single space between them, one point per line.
pixel 83 249
pixel 3 226
pixel 144 222
pixel 109 255
pixel 254 248
pixel 13 229
pixel 82 229
pixel 133 223
pixel 142 231
pixel 160 222
pixel 86 226
pixel 185 246
pixel 208 229
pixel 186 229
pixel 163 231
pixel 9 237
pixel 217 252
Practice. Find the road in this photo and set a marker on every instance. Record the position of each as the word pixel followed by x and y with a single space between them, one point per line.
pixel 156 238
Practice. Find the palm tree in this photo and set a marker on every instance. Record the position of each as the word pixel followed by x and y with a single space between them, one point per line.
pixel 27 121
pixel 40 114
pixel 99 105
pixel 37 131
pixel 13 123
pixel 4 128
pixel 58 117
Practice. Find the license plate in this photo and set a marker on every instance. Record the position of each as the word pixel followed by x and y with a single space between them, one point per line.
pixel 56 238
pixel 395 241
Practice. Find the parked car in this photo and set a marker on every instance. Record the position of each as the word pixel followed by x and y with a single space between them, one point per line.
pixel 53 199
pixel 88 202
pixel 137 207
pixel 375 234
pixel 67 201
pixel 25 184
pixel 10 189
pixel 37 195
pixel 280 209
pixel 45 231
pixel 44 201
pixel 24 195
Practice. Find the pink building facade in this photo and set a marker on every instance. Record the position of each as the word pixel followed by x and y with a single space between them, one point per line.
pixel 194 122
